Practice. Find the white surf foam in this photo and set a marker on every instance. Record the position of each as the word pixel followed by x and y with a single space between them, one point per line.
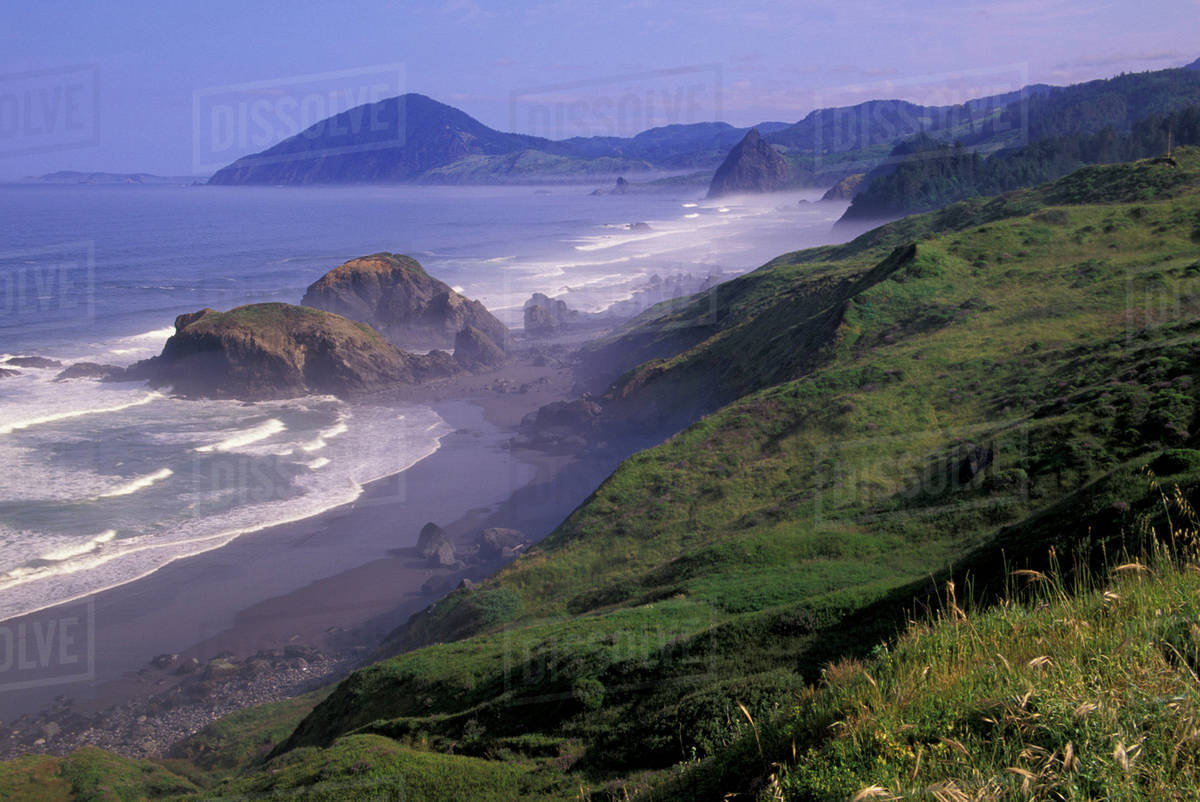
pixel 86 547
pixel 260 432
pixel 142 482
pixel 9 428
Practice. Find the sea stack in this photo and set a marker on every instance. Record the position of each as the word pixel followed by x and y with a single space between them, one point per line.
pixel 394 295
pixel 278 350
pixel 751 166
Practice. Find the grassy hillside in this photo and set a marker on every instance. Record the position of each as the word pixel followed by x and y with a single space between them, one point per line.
pixel 952 394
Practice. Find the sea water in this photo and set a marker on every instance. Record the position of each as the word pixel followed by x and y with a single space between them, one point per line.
pixel 101 483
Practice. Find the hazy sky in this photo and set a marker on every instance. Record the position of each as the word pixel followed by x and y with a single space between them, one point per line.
pixel 181 87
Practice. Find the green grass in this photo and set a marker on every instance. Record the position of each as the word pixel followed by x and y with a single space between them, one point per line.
pixel 1081 688
pixel 712 579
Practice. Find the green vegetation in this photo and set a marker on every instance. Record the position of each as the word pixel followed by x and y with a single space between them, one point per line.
pixel 1085 690
pixel 950 398
pixel 929 173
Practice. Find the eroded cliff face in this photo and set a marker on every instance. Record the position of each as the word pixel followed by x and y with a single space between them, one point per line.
pixel 751 166
pixel 278 350
pixel 395 296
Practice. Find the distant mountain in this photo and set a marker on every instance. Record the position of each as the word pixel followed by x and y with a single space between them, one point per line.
pixel 396 139
pixel 1195 65
pixel 77 177
pixel 414 138
pixel 751 166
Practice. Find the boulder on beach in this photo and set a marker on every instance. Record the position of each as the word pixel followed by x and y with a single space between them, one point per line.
pixel 498 543
pixel 430 538
pixel 443 557
pixel 561 426
pixel 394 295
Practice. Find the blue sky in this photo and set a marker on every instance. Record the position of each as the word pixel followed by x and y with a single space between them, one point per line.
pixel 157 86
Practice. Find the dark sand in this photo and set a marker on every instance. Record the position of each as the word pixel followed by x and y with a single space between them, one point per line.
pixel 341 580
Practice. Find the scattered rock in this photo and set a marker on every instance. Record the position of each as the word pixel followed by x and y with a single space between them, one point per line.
pixel 91 370
pixel 33 362
pixel 444 556
pixel 164 661
pixel 497 543
pixel 5 373
pixel 188 666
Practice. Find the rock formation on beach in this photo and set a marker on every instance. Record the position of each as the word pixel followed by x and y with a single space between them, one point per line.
pixel 394 295
pixel 844 190
pixel 544 314
pixel 276 350
pixel 475 350
pixel 431 537
pixel 751 166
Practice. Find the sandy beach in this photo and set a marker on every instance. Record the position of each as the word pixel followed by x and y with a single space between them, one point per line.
pixel 327 587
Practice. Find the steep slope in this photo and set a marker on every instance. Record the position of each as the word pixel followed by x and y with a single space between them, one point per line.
pixel 751 166
pixel 989 387
pixel 773 324
pixel 394 295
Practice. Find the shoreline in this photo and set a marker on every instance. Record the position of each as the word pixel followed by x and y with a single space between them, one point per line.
pixel 329 586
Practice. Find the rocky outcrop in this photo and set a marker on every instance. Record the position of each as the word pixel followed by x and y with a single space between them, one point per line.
pixel 393 294
pixel 751 166
pixel 33 362
pixel 278 350
pixel 544 314
pixel 845 189
pixel 6 372
pixel 474 350
pixel 91 370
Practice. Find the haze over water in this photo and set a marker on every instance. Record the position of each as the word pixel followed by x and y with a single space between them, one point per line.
pixel 107 482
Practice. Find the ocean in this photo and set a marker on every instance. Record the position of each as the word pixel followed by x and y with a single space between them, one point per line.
pixel 105 482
